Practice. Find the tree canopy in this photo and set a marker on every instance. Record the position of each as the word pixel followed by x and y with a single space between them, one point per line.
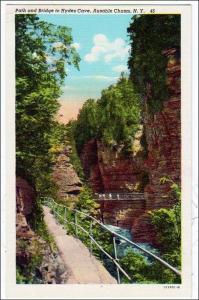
pixel 42 52
pixel 150 35
pixel 113 119
pixel 86 126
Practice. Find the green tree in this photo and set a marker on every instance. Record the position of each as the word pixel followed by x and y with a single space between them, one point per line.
pixel 119 113
pixel 167 223
pixel 150 35
pixel 86 126
pixel 42 52
pixel 113 119
pixel 74 157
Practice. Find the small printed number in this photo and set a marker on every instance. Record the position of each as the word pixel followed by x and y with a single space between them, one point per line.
pixel 172 287
pixel 152 11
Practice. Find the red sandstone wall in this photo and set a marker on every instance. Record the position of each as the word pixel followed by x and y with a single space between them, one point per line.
pixel 118 173
pixel 163 135
pixel 109 171
pixel 25 198
pixel 89 158
pixel 121 213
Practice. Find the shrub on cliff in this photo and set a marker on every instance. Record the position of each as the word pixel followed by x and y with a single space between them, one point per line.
pixel 167 223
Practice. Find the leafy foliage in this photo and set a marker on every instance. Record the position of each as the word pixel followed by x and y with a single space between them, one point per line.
pixel 114 118
pixel 42 52
pixel 150 35
pixel 86 126
pixel 58 140
pixel 167 223
pixel 134 264
pixel 169 231
pixel 143 271
pixel 168 226
pixel 74 157
pixel 86 202
pixel 20 278
pixel 29 261
pixel 119 113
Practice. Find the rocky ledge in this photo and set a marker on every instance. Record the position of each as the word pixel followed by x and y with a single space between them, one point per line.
pixel 65 176
pixel 34 255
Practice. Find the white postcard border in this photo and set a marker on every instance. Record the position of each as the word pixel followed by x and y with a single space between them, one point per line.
pixel 15 291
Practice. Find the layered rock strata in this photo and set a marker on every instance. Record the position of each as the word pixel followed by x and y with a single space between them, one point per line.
pixel 112 171
pixel 163 136
pixel 65 176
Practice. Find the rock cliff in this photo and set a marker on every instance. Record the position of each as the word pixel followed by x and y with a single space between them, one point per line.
pixel 33 254
pixel 163 137
pixel 65 176
pixel 108 170
pixel 25 199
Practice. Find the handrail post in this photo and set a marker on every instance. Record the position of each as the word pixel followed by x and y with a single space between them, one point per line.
pixel 64 216
pixel 115 251
pixel 56 206
pixel 91 234
pixel 76 233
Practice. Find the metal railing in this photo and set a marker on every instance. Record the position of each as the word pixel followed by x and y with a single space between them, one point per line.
pixel 54 205
pixel 119 196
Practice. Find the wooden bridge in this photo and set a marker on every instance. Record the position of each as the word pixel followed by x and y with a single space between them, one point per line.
pixel 120 209
pixel 119 196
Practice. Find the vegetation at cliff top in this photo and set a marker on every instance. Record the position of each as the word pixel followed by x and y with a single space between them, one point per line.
pixel 113 119
pixel 42 51
pixel 150 35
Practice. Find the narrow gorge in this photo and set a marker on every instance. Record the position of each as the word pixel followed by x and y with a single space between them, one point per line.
pixel 118 163
pixel 109 170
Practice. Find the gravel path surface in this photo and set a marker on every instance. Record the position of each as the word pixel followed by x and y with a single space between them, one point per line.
pixel 81 266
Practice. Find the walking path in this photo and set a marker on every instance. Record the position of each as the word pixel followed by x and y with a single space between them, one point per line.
pixel 81 266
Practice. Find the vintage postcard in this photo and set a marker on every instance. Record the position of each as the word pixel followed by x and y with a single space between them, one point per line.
pixel 98 149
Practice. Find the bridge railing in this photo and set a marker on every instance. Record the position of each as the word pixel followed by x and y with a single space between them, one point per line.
pixel 119 196
pixel 54 206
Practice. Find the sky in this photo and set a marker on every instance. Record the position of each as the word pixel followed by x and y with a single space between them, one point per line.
pixel 103 45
